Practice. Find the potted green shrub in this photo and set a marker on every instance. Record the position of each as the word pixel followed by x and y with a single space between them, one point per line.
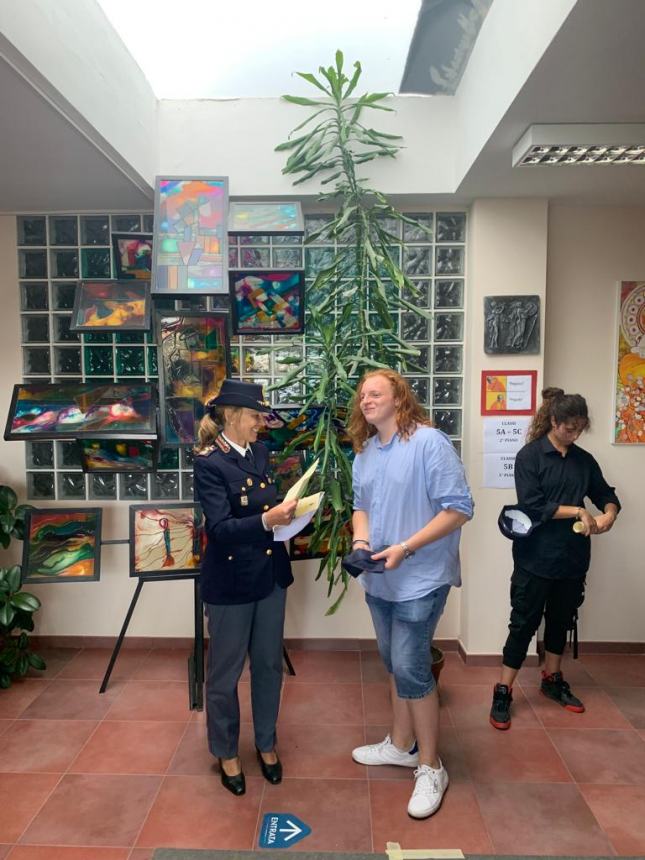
pixel 350 304
pixel 16 606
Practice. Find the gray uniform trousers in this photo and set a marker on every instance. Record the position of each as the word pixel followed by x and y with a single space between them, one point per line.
pixel 235 630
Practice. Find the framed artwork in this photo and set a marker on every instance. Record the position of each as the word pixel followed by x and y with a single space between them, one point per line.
pixel 267 302
pixel 111 306
pixel 62 545
pixel 94 410
pixel 265 218
pixel 629 379
pixel 190 248
pixel 116 455
pixel 508 392
pixel 165 541
pixel 286 470
pixel 132 255
pixel 194 359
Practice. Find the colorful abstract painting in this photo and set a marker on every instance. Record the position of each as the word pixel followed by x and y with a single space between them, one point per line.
pixel 165 540
pixel 272 302
pixel 132 255
pixel 193 362
pixel 285 470
pixel 111 306
pixel 115 455
pixel 76 409
pixel 62 544
pixel 265 218
pixel 190 252
pixel 629 417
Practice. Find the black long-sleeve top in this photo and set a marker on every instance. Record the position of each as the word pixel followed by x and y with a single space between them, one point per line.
pixel 544 480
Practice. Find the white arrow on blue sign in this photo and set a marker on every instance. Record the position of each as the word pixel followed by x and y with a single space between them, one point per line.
pixel 280 830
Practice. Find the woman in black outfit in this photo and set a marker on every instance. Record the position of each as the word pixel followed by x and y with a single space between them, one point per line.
pixel 245 574
pixel 553 476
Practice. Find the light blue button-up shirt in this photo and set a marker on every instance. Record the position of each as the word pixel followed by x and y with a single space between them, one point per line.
pixel 401 486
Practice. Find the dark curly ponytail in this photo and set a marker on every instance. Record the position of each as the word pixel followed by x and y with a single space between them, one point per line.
pixel 559 406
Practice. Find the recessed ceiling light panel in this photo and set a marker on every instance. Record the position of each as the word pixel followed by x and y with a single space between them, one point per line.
pixel 566 145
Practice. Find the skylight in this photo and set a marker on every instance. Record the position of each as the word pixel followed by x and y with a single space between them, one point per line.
pixel 217 49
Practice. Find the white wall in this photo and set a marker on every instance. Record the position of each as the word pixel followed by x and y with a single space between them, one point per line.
pixel 507 254
pixel 237 138
pixel 590 250
pixel 75 58
pixel 513 38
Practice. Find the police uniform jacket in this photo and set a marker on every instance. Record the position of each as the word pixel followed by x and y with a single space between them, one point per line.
pixel 242 562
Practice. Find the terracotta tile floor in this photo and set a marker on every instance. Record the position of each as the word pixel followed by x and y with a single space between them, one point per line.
pixel 91 777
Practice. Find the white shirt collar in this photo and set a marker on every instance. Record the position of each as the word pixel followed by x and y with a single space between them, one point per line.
pixel 241 451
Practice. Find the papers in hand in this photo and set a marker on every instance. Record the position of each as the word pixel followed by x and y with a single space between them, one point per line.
pixel 298 490
pixel 305 510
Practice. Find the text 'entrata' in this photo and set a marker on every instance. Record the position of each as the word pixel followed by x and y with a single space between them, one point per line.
pixel 280 829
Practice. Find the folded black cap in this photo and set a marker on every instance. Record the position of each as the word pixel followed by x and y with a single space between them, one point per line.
pixel 360 561
pixel 516 521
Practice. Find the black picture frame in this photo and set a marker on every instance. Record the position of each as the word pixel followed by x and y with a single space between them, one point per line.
pixel 235 277
pixel 118 467
pixel 27 552
pixel 162 573
pixel 142 288
pixel 132 273
pixel 82 389
pixel 175 439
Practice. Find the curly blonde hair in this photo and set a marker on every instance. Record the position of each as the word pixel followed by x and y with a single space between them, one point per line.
pixel 409 412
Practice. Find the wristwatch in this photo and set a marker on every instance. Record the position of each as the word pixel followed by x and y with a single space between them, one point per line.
pixel 407 552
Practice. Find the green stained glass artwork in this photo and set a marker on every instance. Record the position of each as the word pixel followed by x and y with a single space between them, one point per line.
pixel 98 361
pixel 95 262
pixel 130 361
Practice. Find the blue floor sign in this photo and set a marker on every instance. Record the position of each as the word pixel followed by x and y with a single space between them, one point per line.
pixel 280 830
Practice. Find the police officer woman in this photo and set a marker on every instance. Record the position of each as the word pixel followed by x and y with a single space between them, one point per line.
pixel 244 576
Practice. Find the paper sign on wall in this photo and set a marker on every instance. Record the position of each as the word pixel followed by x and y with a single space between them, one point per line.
pixel 508 392
pixel 503 438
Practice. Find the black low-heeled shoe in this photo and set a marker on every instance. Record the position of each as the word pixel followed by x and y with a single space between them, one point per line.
pixel 235 784
pixel 271 772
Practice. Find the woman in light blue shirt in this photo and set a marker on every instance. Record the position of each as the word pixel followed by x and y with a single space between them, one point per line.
pixel 411 498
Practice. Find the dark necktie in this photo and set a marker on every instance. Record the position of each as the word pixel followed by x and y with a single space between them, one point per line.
pixel 248 456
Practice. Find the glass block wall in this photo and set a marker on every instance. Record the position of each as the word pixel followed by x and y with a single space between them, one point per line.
pixel 55 251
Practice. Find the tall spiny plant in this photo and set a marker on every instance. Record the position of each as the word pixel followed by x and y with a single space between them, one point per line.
pixel 351 327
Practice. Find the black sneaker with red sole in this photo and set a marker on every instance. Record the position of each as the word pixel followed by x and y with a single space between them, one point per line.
pixel 500 712
pixel 555 687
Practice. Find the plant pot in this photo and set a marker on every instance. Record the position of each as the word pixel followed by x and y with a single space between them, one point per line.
pixel 438 661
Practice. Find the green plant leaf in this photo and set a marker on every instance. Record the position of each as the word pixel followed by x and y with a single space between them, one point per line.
pixel 26 602
pixel 13 578
pixel 299 100
pixel 312 79
pixel 5 681
pixel 7 614
pixel 8 499
pixel 36 661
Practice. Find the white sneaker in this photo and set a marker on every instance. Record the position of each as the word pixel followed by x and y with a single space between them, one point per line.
pixel 429 787
pixel 385 753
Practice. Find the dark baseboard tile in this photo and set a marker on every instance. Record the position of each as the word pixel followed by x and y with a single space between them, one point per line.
pixel 184 643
